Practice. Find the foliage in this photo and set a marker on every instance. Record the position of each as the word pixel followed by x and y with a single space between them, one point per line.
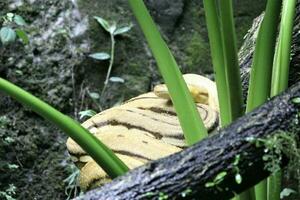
pixel 286 192
pixel 72 190
pixel 8 193
pixel 216 181
pixel 114 30
pixel 277 146
pixel 12 27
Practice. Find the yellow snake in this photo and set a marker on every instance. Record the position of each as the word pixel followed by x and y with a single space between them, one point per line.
pixel 143 129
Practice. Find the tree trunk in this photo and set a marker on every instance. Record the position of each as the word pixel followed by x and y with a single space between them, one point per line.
pixel 190 173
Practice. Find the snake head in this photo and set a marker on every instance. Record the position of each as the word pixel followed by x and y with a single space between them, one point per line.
pixel 202 89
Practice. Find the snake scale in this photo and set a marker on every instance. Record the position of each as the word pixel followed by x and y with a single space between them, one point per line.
pixel 143 129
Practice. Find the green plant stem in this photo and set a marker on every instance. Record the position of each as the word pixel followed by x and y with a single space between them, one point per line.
pixel 110 163
pixel 188 115
pixel 283 49
pixel 111 62
pixel 215 40
pixel 232 70
pixel 281 74
pixel 274 186
pixel 261 70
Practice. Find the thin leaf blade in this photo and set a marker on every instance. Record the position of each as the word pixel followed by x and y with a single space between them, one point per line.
pixel 123 30
pixel 104 24
pixel 100 56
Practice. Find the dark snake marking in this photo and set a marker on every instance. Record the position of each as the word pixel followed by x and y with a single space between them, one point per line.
pixel 156 135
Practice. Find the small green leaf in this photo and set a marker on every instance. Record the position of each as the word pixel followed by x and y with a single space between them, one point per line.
pixel 94 95
pixel 210 184
pixel 23 36
pixel 19 20
pixel 238 178
pixel 186 193
pixel 19 72
pixel 10 16
pixel 13 166
pixel 296 100
pixel 220 177
pixel 123 30
pixel 103 23
pixel 100 56
pixel 286 192
pixel 7 35
pixel 116 79
pixel 87 113
pixel 237 160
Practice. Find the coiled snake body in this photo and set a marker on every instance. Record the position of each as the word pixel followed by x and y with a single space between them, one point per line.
pixel 143 129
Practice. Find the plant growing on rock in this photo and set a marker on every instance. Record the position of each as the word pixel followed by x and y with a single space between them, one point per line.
pixel 12 27
pixel 114 30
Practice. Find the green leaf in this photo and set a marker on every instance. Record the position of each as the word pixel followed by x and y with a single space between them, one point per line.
pixel 19 20
pixel 87 113
pixel 10 16
pixel 220 177
pixel 123 30
pixel 7 35
pixel 286 192
pixel 94 95
pixel 103 23
pixel 210 184
pixel 23 36
pixel 238 178
pixel 116 79
pixel 296 100
pixel 100 56
pixel 237 160
pixel 13 166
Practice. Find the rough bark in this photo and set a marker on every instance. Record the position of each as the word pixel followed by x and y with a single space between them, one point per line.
pixel 246 52
pixel 185 174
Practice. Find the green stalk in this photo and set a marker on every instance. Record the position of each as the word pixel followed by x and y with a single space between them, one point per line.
pixel 232 70
pixel 261 70
pixel 110 163
pixel 215 40
pixel 281 74
pixel 283 50
pixel 111 62
pixel 189 118
pixel 216 48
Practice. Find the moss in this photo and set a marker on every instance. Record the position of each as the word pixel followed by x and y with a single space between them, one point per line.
pixel 197 50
